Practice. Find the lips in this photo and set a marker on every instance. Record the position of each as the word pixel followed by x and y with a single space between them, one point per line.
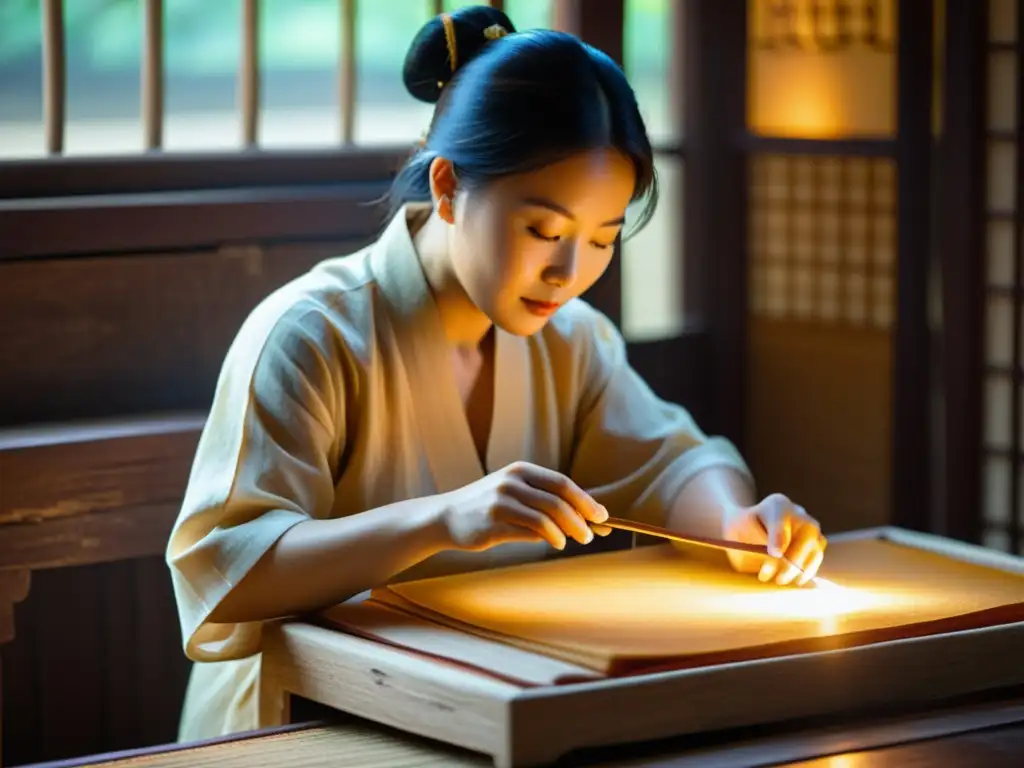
pixel 541 307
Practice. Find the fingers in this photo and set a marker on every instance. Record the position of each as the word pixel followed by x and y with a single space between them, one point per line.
pixel 768 570
pixel 778 527
pixel 568 519
pixel 561 486
pixel 802 549
pixel 786 572
pixel 807 543
pixel 600 530
pixel 778 534
pixel 811 569
pixel 794 542
pixel 514 513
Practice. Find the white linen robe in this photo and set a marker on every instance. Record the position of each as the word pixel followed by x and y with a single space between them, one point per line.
pixel 338 396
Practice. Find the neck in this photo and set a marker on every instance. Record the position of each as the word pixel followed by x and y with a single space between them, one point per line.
pixel 465 326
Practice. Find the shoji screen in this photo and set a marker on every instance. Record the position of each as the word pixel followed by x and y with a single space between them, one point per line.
pixel 1004 347
pixel 821 120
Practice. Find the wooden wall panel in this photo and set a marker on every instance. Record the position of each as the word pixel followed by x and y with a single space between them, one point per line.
pixel 94 337
pixel 822 419
pixel 822 289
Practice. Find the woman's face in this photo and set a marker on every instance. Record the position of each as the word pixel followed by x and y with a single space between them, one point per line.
pixel 526 244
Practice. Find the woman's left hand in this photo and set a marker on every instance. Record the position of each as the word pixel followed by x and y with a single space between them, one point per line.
pixel 787 529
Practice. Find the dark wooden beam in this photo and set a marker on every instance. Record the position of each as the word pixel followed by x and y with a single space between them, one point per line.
pixel 104 224
pixel 960 229
pixel 715 228
pixel 780 145
pixel 912 443
pixel 92 493
pixel 114 536
pixel 62 176
pixel 60 471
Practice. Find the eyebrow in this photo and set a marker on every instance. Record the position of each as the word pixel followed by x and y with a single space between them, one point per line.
pixel 551 205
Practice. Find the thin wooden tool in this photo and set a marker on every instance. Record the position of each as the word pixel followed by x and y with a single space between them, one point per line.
pixel 701 541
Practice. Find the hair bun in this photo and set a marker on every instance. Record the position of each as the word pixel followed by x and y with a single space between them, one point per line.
pixel 428 65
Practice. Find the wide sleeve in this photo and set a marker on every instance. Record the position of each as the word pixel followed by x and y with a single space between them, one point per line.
pixel 634 451
pixel 263 464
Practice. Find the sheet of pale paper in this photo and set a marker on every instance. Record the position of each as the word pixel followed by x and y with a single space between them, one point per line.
pixel 652 607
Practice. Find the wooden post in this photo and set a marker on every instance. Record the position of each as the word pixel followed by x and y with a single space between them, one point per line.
pixel 911 422
pixel 715 194
pixel 274 698
pixel 54 75
pixel 960 231
pixel 13 589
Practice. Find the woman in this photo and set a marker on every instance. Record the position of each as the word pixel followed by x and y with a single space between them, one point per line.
pixel 441 400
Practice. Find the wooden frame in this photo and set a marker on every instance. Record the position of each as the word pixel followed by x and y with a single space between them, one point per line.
pixel 960 242
pixel 995 350
pixel 715 191
pixel 911 504
pixel 526 727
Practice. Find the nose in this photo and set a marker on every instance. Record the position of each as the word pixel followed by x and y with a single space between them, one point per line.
pixel 561 272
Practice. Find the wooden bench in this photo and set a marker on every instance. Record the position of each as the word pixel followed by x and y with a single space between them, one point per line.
pixel 87 493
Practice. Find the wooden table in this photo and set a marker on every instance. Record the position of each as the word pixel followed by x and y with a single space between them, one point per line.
pixel 986 733
pixel 522 725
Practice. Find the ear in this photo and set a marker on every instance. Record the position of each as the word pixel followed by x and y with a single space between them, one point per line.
pixel 443 185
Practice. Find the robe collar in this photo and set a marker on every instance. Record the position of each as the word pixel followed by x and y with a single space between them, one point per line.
pixel 426 355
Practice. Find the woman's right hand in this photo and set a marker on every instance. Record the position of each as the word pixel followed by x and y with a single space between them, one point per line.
pixel 522 502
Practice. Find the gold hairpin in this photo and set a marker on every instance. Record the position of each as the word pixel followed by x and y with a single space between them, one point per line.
pixel 495 31
pixel 449 38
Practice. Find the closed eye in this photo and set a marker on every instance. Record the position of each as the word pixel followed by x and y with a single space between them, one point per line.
pixel 555 238
pixel 536 233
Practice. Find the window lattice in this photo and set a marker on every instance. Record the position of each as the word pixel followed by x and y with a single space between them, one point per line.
pixel 1003 490
pixel 822 239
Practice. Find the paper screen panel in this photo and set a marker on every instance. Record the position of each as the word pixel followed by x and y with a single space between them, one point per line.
pixel 1003 500
pixel 822 239
pixel 654 607
pixel 821 70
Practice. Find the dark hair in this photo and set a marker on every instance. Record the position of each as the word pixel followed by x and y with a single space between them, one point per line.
pixel 511 102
